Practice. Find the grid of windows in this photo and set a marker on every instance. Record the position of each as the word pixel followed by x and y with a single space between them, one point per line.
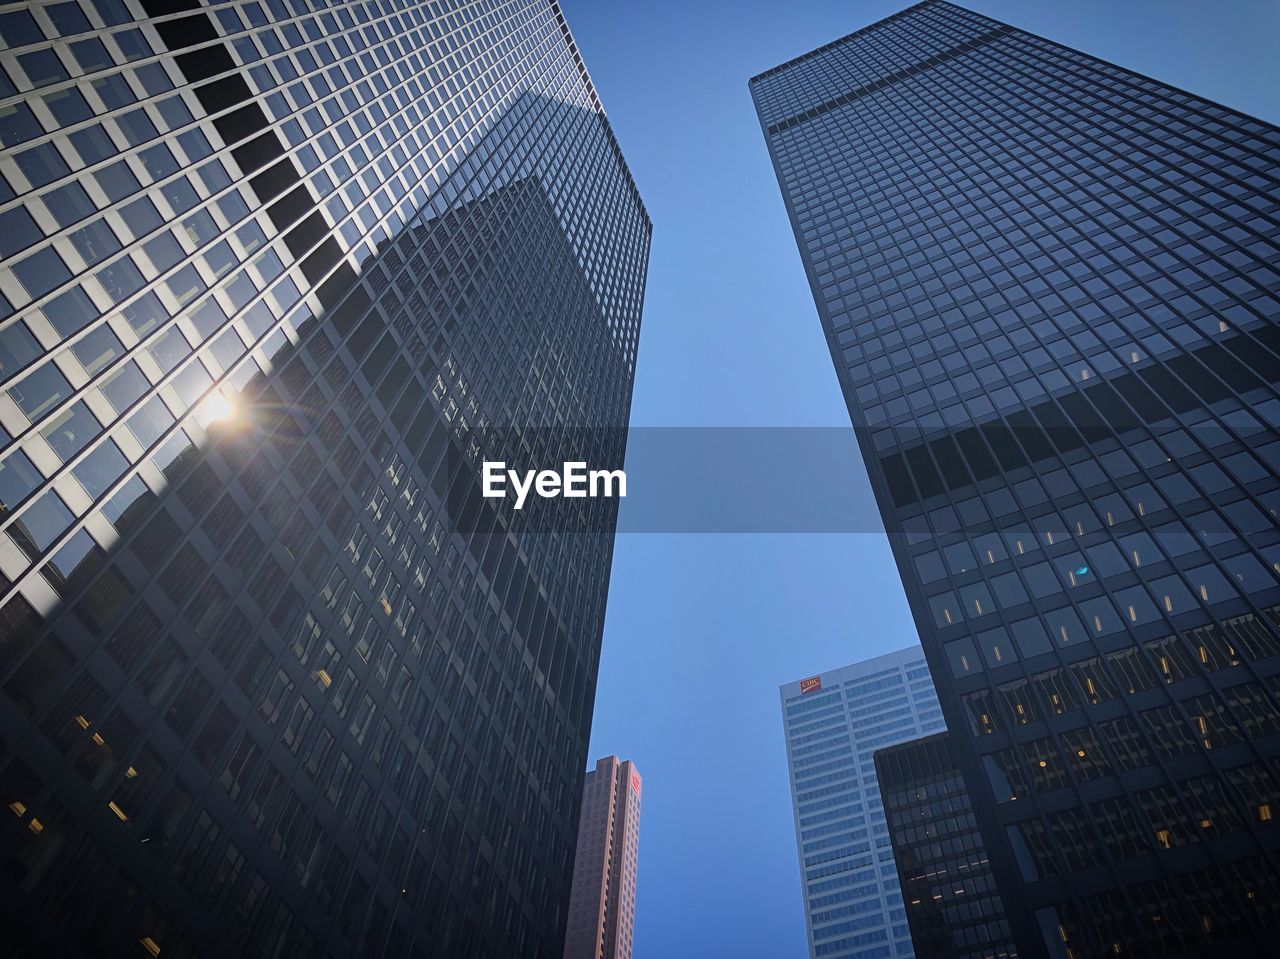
pixel 853 906
pixel 952 903
pixel 1050 289
pixel 276 680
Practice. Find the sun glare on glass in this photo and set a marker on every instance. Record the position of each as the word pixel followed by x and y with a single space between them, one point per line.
pixel 218 409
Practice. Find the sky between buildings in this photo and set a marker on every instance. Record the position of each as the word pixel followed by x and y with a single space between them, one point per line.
pixel 702 629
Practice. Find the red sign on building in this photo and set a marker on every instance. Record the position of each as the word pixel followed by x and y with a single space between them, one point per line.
pixel 811 685
pixel 635 783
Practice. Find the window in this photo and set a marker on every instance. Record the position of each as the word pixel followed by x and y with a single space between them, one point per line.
pixel 1122 834
pixel 1169 732
pixel 1044 764
pixel 1171 658
pixel 1057 691
pixel 1093 681
pixel 1085 755
pixel 1131 670
pixel 984 717
pixel 1257 791
pixel 1020 702
pixel 1256 709
pixel 1167 821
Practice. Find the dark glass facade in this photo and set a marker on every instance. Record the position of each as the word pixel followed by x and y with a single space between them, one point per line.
pixel 1051 287
pixel 275 680
pixel 948 889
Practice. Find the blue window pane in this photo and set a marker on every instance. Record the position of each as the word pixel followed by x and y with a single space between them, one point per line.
pixel 68 204
pixel 91 55
pixel 71 431
pixel 17 231
pixel 19 28
pixel 129 494
pixel 112 12
pixel 42 271
pixel 42 164
pixel 43 389
pixel 200 227
pixel 93 144
pixel 132 44
pixel 43 521
pixel 181 195
pixel 94 241
pixel 117 181
pixel 137 127
pixel 186 284
pixel 42 67
pixel 164 251
pixel 121 279
pixel 141 216
pixel 150 421
pixel 123 387
pixel 170 349
pixel 68 106
pixel 191 383
pixel 97 349
pixel 196 145
pixel 214 176
pixel 114 90
pixel 70 312
pixel 101 468
pixel 68 18
pixel 17 348
pixel 79 556
pixel 159 161
pixel 145 314
pixel 154 80
pixel 208 318
pixel 18 125
pixel 17 479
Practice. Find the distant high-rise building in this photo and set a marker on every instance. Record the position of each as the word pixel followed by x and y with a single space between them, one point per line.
pixel 275 678
pixel 834 722
pixel 602 907
pixel 1051 287
pixel 948 888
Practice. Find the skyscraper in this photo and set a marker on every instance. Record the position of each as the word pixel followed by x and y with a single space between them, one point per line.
pixel 602 906
pixel 1050 287
pixel 275 679
pixel 948 889
pixel 834 722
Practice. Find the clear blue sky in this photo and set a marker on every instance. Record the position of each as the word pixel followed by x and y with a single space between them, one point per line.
pixel 703 628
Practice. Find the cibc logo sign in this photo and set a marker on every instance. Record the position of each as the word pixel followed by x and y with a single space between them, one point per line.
pixel 635 783
pixel 811 685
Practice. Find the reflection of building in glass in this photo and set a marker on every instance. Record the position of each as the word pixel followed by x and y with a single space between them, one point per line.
pixel 602 906
pixel 1050 289
pixel 275 680
pixel 834 723
pixel 948 889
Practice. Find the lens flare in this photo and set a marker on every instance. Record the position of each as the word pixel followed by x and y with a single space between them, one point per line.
pixel 219 409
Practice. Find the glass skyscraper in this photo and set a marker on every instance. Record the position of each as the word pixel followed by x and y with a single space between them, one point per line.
pixel 1051 287
pixel 834 723
pixel 948 889
pixel 275 679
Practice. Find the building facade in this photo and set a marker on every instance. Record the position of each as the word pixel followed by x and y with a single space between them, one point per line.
pixel 833 723
pixel 275 679
pixel 948 889
pixel 1050 290
pixel 602 906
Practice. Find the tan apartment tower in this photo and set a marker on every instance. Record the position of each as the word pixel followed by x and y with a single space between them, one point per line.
pixel 602 905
